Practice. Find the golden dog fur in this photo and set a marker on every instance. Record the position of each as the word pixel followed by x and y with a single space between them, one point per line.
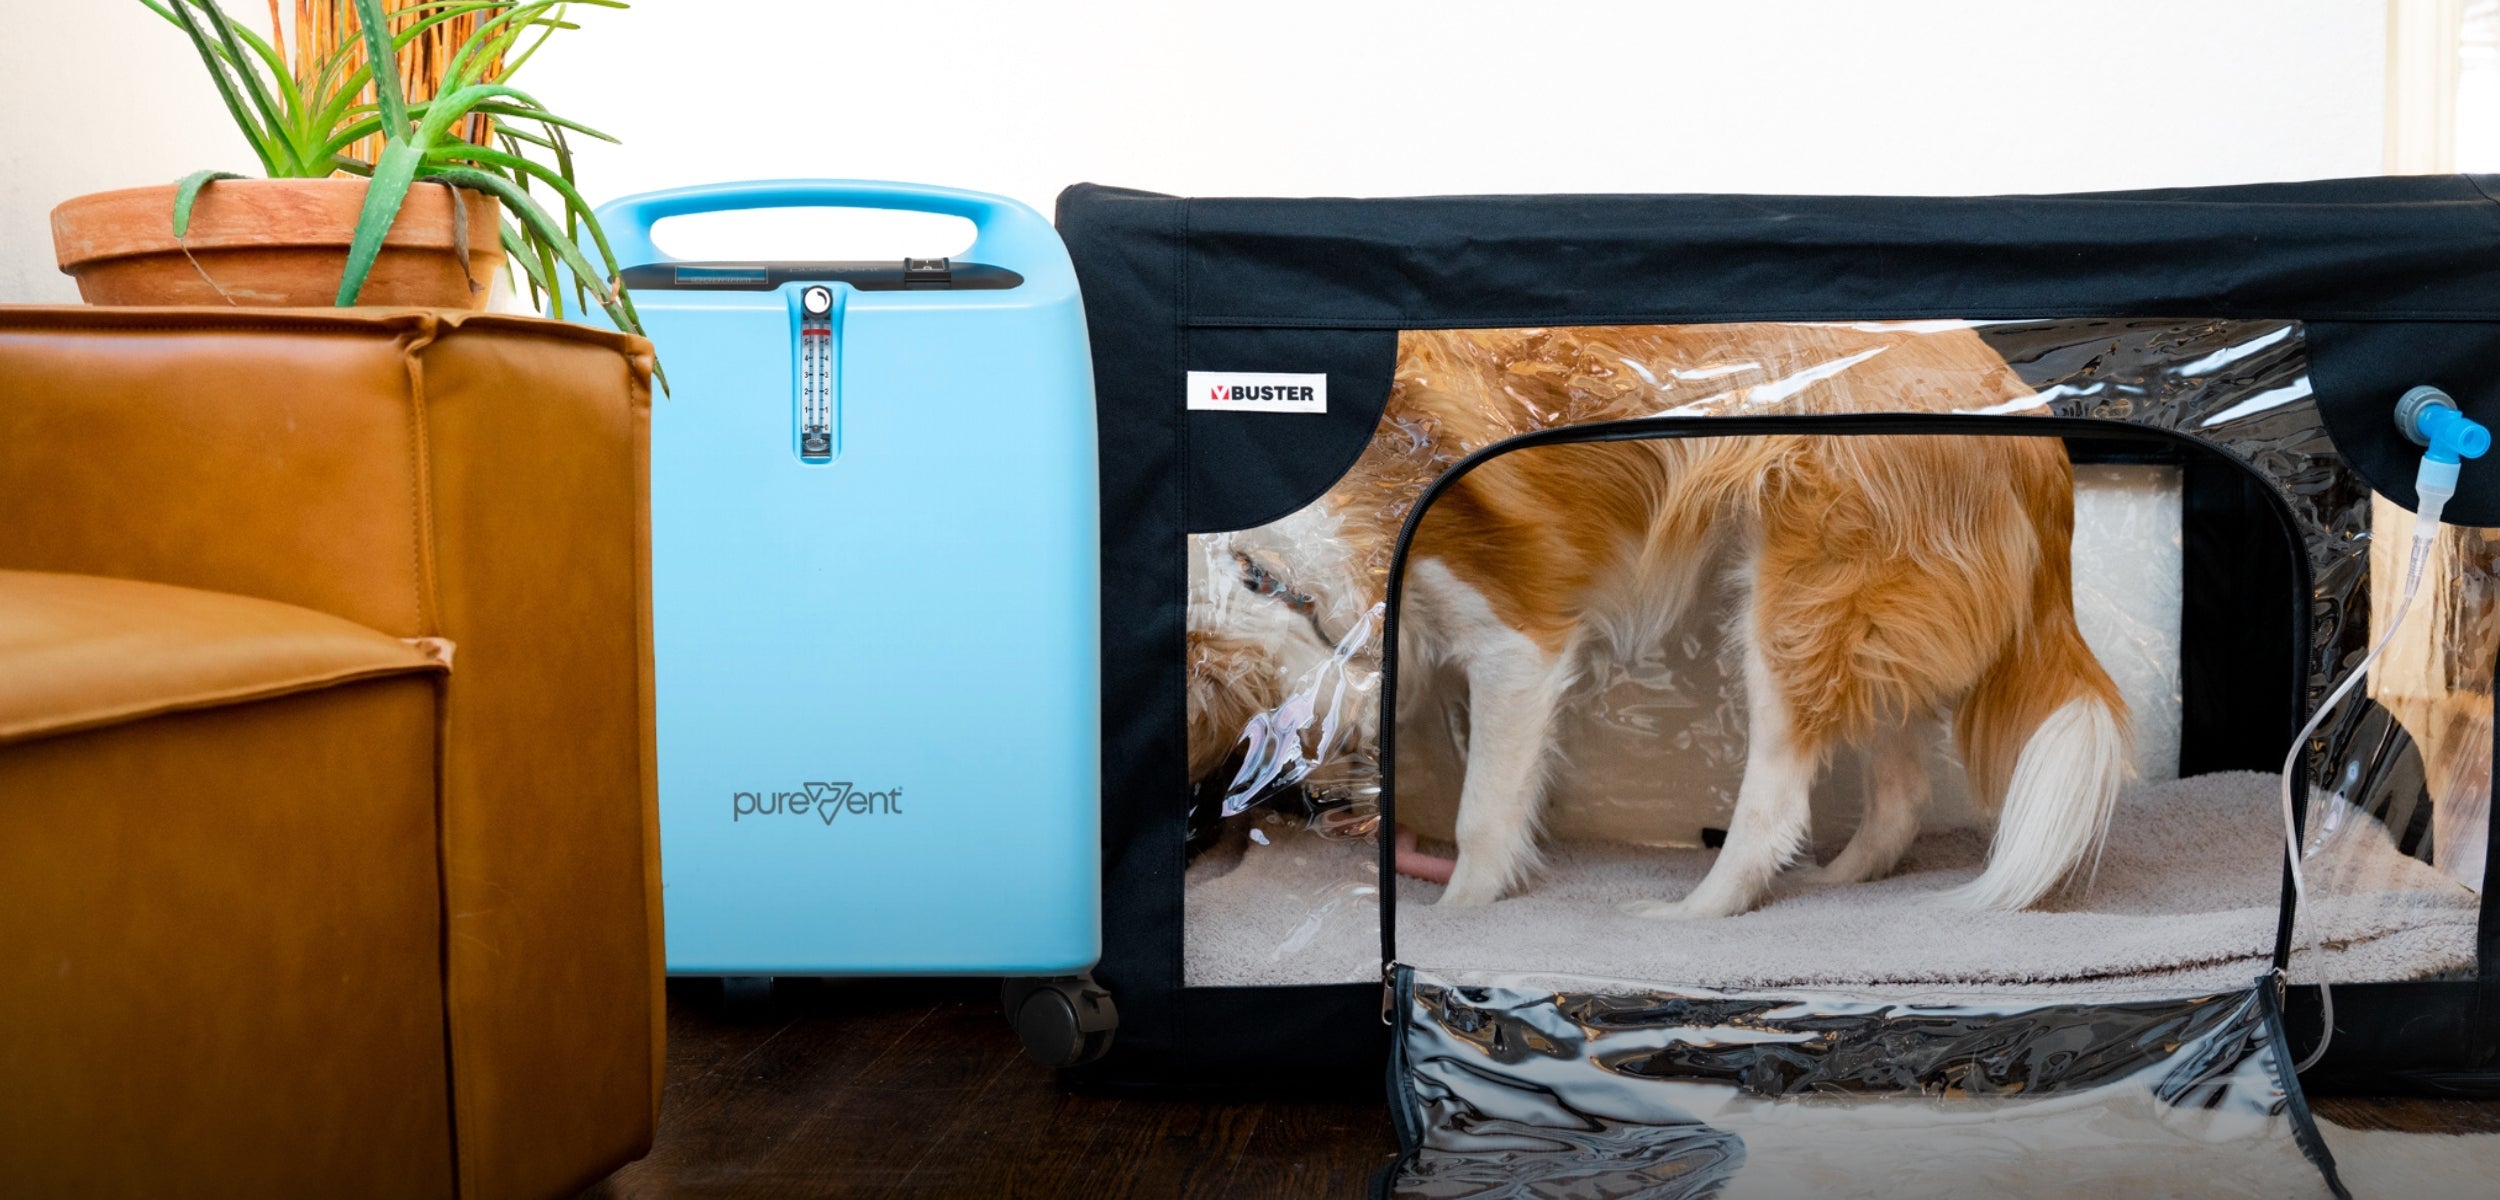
pixel 1889 580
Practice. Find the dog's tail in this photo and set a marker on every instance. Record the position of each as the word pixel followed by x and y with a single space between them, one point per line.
pixel 2044 740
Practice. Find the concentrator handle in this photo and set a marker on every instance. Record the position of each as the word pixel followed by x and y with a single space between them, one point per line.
pixel 1009 234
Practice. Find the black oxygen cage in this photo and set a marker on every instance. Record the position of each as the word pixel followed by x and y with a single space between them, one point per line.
pixel 1767 696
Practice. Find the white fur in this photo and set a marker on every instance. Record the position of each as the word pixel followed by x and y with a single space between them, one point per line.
pixel 1217 600
pixel 1773 806
pixel 2057 807
pixel 1633 608
pixel 1513 688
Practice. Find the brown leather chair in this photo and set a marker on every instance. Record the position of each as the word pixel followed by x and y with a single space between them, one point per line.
pixel 328 844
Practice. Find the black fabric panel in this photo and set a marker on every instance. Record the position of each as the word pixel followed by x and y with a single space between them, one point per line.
pixel 2339 254
pixel 2295 1101
pixel 2421 1038
pixel 1248 469
pixel 2360 369
pixel 1127 269
pixel 1283 1039
pixel 1157 271
pixel 2381 248
pixel 1297 1042
pixel 2240 678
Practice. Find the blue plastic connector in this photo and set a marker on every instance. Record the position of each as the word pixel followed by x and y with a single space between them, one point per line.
pixel 2430 417
pixel 2453 435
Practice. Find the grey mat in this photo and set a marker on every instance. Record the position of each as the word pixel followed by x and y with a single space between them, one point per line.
pixel 2184 900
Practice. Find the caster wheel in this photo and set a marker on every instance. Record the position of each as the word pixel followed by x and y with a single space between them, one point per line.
pixel 1063 1022
pixel 746 998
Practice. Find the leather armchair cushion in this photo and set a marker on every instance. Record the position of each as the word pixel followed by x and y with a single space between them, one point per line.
pixel 475 478
pixel 220 950
pixel 80 651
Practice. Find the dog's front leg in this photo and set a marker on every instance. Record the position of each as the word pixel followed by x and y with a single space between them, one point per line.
pixel 1513 686
pixel 1773 807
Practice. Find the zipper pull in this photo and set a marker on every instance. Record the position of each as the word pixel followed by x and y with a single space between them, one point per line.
pixel 1389 992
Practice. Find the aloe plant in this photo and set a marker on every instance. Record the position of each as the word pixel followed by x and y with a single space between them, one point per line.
pixel 303 127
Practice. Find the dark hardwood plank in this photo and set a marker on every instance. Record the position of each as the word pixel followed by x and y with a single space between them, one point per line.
pixel 2405 1114
pixel 897 1089
pixel 1282 1161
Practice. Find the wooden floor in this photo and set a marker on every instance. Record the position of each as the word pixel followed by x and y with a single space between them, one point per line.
pixel 911 1088
pixel 916 1088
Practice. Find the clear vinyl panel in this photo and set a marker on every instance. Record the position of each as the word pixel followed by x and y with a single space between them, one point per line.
pixel 1536 1088
pixel 1648 745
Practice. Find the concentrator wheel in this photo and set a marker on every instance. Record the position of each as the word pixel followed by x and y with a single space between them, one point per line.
pixel 1062 1022
pixel 746 997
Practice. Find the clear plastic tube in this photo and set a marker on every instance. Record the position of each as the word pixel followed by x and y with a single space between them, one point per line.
pixel 2425 532
pixel 2431 419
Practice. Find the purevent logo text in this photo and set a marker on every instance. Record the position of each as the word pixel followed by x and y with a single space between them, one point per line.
pixel 826 802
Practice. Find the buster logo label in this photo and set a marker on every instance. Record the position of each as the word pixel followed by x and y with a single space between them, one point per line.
pixel 1249 391
pixel 827 802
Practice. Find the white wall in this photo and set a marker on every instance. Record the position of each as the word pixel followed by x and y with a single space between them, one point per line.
pixel 94 94
pixel 1290 97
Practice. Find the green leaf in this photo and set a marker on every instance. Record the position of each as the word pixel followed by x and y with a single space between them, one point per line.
pixel 347 135
pixel 392 175
pixel 523 167
pixel 619 309
pixel 511 135
pixel 555 295
pixel 213 58
pixel 564 166
pixel 512 63
pixel 489 32
pixel 343 90
pixel 460 232
pixel 518 112
pixel 543 117
pixel 382 59
pixel 536 221
pixel 441 111
pixel 495 38
pixel 272 116
pixel 187 192
pixel 293 126
pixel 520 254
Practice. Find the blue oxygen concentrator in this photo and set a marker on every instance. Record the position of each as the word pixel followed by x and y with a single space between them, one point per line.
pixel 874 578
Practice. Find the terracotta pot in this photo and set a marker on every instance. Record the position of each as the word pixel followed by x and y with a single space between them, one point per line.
pixel 272 243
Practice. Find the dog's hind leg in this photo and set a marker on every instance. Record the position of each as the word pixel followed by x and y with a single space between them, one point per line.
pixel 1773 805
pixel 1897 792
pixel 1513 686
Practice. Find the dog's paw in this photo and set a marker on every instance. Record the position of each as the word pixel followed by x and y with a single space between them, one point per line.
pixel 1825 876
pixel 1472 884
pixel 1687 909
pixel 1658 910
pixel 1465 894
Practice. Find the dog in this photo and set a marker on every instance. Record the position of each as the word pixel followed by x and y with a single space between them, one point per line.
pixel 1887 584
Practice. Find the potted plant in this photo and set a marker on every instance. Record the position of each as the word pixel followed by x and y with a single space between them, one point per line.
pixel 443 202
